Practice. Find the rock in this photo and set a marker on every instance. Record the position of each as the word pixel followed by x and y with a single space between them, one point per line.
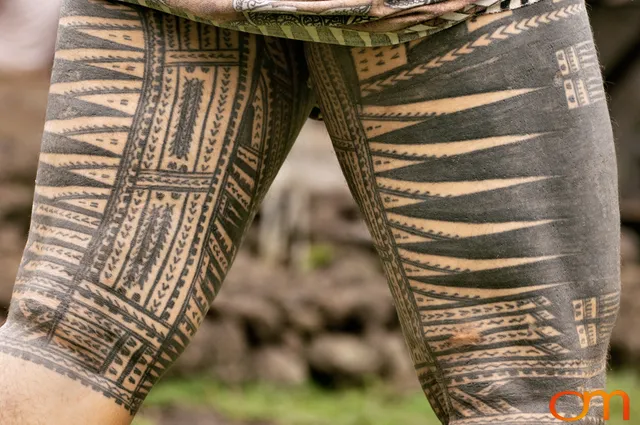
pixel 22 110
pixel 624 104
pixel 302 312
pixel 197 355
pixel 293 341
pixel 356 267
pixel 261 319
pixel 280 365
pixel 9 266
pixel 398 368
pixel 337 360
pixel 247 270
pixel 357 308
pixel 16 202
pixel 13 228
pixel 12 240
pixel 219 348
pixel 629 246
pixel 625 345
pixel 335 218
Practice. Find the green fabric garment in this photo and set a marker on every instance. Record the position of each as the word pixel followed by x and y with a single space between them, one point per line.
pixel 344 22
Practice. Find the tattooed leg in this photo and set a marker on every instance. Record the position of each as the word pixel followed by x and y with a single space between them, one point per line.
pixel 482 159
pixel 162 137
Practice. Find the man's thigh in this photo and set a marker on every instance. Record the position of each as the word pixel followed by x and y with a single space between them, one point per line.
pixel 162 136
pixel 483 161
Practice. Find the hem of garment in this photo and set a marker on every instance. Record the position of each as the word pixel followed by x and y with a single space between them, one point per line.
pixel 343 36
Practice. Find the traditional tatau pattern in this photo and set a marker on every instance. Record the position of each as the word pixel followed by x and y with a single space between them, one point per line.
pixel 345 22
pixel 501 259
pixel 158 147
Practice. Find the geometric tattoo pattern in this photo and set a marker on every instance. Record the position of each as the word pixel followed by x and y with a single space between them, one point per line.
pixel 476 211
pixel 580 70
pixel 363 23
pixel 595 318
pixel 161 139
pixel 481 158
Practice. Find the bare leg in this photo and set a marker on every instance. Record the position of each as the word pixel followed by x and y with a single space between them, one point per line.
pixel 162 137
pixel 483 161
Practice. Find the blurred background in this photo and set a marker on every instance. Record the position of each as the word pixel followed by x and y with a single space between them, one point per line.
pixel 293 339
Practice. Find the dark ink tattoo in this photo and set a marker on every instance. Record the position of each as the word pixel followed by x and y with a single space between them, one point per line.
pixel 491 197
pixel 146 184
pixel 481 157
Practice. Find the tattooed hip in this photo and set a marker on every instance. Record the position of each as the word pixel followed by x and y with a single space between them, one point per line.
pixel 481 158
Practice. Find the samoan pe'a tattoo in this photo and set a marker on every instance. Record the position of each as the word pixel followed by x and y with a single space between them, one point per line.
pixel 481 157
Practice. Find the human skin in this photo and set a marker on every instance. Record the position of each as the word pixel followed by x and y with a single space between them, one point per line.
pixel 32 395
pixel 481 157
pixel 483 163
pixel 158 148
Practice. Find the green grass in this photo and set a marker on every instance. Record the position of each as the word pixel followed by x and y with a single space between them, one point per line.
pixel 142 421
pixel 630 382
pixel 320 256
pixel 308 405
